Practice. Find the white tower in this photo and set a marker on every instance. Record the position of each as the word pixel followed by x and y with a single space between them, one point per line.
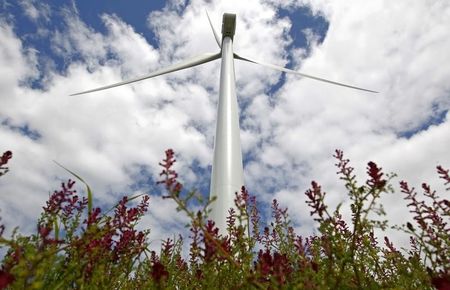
pixel 227 176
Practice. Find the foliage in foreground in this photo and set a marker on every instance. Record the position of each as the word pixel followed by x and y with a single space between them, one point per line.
pixel 76 246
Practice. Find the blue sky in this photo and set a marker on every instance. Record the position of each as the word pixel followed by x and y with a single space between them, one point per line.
pixel 289 126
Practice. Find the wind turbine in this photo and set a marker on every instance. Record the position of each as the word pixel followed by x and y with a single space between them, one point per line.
pixel 227 176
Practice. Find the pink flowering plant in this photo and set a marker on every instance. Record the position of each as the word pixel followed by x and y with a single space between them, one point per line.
pixel 77 246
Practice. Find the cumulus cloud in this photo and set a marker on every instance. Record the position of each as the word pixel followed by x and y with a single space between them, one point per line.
pixel 380 46
pixel 102 136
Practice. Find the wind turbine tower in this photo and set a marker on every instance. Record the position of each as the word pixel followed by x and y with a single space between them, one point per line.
pixel 227 175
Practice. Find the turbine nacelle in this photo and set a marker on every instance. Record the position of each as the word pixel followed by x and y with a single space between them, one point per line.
pixel 228 25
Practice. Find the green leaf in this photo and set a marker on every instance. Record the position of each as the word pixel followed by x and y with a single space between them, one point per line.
pixel 88 189
pixel 55 222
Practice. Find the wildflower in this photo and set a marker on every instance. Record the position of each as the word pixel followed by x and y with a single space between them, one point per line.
pixel 5 279
pixel 4 160
pixel 170 181
pixel 44 232
pixel 195 237
pixel 342 165
pixel 444 175
pixel 65 201
pixel 278 213
pixel 441 282
pixel 167 247
pixel 212 233
pixel 376 175
pixel 93 216
pixel 5 157
pixel 159 272
pixel 390 245
pixel 316 197
pixel 276 266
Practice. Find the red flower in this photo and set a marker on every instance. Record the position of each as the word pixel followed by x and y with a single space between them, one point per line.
pixel 6 156
pixel 3 160
pixel 159 272
pixel 209 240
pixel 276 266
pixel 5 279
pixel 44 232
pixel 441 282
pixel 376 175
pixel 170 180
pixel 315 201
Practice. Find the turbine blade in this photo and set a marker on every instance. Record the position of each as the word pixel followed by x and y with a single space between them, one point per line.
pixel 283 69
pixel 180 66
pixel 216 35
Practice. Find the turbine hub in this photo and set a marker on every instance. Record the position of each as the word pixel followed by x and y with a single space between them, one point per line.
pixel 228 25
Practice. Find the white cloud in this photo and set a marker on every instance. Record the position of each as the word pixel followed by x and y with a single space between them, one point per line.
pixel 382 46
pixel 18 63
pixel 99 136
pixel 35 11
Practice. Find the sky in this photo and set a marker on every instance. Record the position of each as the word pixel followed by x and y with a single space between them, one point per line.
pixel 290 126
